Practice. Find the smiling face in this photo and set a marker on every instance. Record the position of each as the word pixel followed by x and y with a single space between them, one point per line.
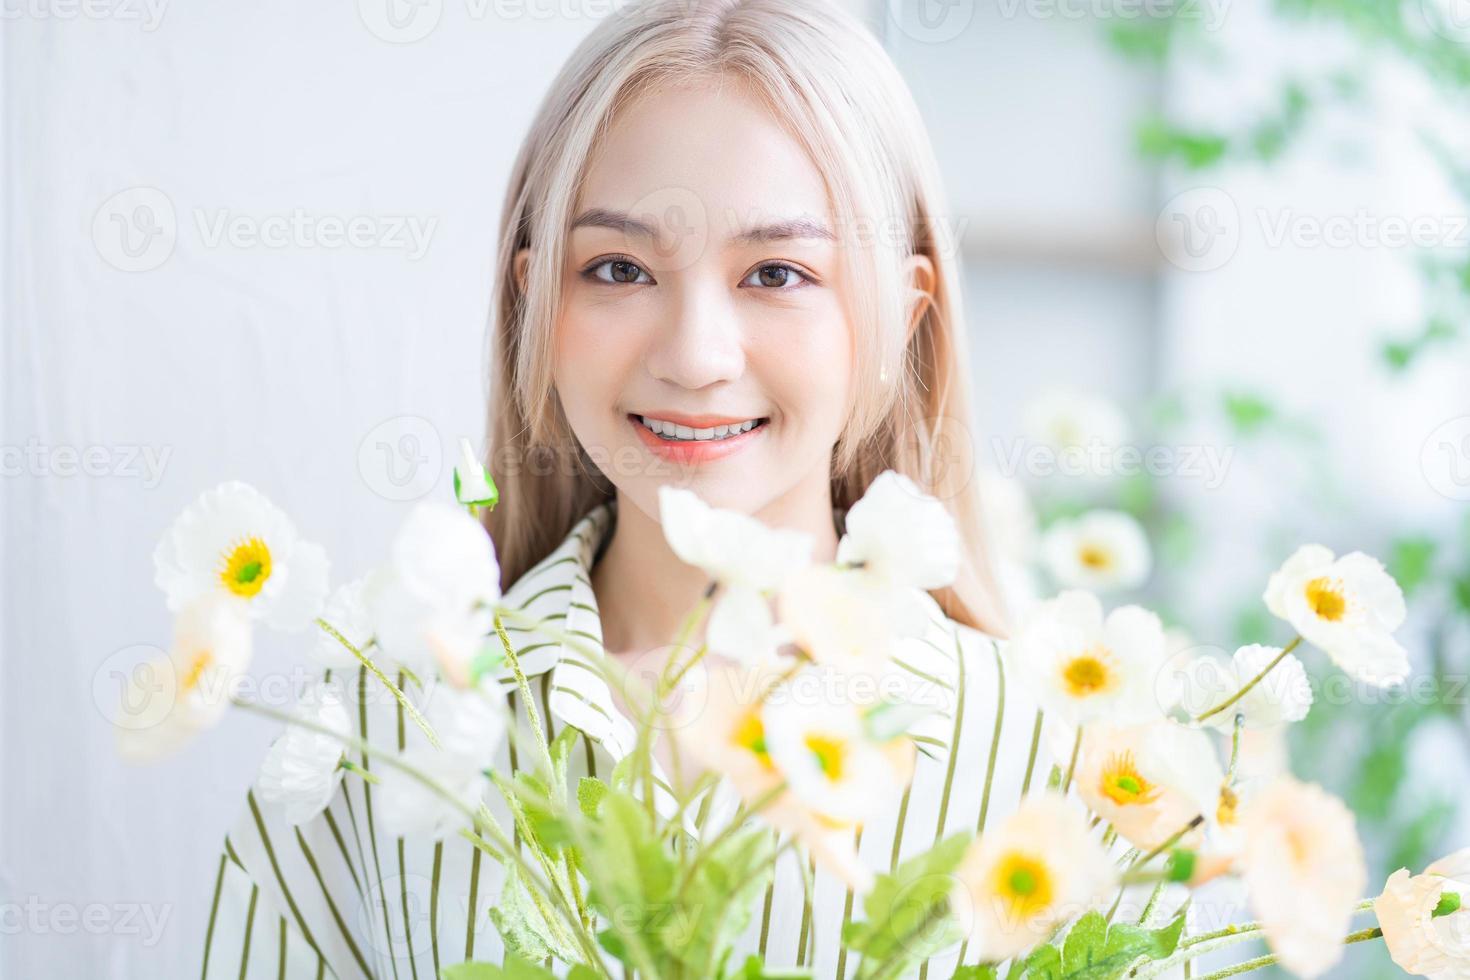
pixel 702 295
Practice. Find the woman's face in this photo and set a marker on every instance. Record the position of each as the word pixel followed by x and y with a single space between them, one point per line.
pixel 702 293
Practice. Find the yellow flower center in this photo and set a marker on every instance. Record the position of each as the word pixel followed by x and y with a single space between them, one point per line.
pixel 1023 883
pixel 198 664
pixel 1088 673
pixel 750 735
pixel 1123 784
pixel 1225 812
pixel 830 753
pixel 1095 557
pixel 1326 599
pixel 246 567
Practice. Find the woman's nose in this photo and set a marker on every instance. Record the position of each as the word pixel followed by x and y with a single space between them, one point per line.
pixel 700 342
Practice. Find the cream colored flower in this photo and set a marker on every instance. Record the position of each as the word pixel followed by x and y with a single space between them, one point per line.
pixel 1303 865
pixel 1347 606
pixel 1084 668
pixel 1149 781
pixel 1102 550
pixel 170 700
pixel 846 619
pixel 901 536
pixel 1065 418
pixel 302 769
pixel 431 605
pixel 1421 942
pixel 1037 870
pixel 748 559
pixel 233 541
pixel 818 737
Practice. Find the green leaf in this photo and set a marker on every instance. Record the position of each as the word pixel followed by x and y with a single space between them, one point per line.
pixel 907 915
pixel 982 972
pixel 754 969
pixel 590 792
pixel 514 968
pixel 719 901
pixel 521 924
pixel 1410 562
pixel 1044 964
pixel 1084 943
pixel 631 875
pixel 1248 413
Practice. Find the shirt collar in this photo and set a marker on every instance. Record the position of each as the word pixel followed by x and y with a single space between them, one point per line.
pixel 558 591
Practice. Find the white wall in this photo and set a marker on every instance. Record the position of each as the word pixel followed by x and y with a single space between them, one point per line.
pixel 260 363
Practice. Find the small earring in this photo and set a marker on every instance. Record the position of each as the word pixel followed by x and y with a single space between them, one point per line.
pixel 883 374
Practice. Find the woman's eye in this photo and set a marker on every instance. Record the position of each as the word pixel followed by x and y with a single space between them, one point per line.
pixel 774 276
pixel 618 272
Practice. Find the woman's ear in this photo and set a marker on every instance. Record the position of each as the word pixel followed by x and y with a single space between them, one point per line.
pixel 920 282
pixel 523 258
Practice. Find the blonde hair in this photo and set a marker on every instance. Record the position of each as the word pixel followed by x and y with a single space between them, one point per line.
pixel 853 114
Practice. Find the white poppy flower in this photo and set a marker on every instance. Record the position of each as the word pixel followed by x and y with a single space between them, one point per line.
pixel 472 484
pixel 817 736
pixel 1420 941
pixel 1149 781
pixel 470 729
pixel 431 605
pixel 1040 868
pixel 233 541
pixel 846 619
pixel 346 612
pixel 718 720
pixel 1102 550
pixel 171 699
pixel 1083 668
pixel 747 558
pixel 1281 697
pixel 1065 418
pixel 1303 865
pixel 302 769
pixel 1348 606
pixel 901 536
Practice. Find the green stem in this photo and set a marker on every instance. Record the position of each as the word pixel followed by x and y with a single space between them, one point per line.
pixel 377 672
pixel 1072 765
pixel 350 766
pixel 524 686
pixel 1296 641
pixel 1358 937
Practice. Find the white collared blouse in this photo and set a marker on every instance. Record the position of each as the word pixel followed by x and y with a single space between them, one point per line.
pixel 336 896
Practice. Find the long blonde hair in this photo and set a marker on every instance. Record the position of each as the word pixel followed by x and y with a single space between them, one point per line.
pixel 850 109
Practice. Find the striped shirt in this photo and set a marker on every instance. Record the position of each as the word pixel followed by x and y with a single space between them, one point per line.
pixel 336 896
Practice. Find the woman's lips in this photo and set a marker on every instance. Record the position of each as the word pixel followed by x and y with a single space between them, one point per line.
pixel 695 450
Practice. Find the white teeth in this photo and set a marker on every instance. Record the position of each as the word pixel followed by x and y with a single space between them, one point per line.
pixel 671 431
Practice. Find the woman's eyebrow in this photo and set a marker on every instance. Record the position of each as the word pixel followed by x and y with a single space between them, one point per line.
pixel 776 231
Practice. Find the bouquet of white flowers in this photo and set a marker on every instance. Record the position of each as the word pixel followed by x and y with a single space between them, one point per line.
pixel 602 881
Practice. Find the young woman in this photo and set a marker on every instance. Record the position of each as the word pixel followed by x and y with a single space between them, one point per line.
pixel 723 266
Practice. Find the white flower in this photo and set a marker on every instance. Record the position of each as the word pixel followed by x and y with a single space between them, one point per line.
pixel 901 536
pixel 302 769
pixel 1102 550
pixel 1303 866
pixel 1037 870
pixel 171 699
pixel 748 559
pixel 472 485
pixel 1421 942
pixel 347 613
pixel 1149 781
pixel 1064 418
pixel 1281 697
pixel 1083 668
pixel 1347 606
pixel 719 722
pixel 470 729
pixel 817 735
pixel 432 604
pixel 233 541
